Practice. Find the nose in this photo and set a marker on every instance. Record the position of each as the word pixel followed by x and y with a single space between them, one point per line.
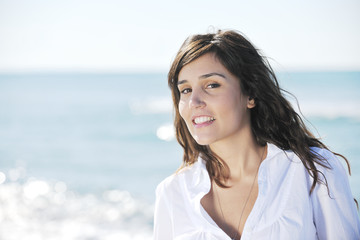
pixel 197 99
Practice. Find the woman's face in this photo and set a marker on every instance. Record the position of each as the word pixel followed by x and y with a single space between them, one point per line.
pixel 211 102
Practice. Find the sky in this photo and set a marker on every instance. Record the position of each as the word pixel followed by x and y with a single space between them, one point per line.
pixel 117 35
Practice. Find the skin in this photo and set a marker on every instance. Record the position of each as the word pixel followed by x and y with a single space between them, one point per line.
pixel 217 114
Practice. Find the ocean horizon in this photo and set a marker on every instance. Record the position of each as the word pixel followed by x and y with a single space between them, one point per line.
pixel 82 153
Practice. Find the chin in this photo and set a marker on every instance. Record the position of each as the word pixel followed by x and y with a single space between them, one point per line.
pixel 203 141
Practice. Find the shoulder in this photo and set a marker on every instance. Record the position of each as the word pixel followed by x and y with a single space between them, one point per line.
pixel 332 166
pixel 334 209
pixel 331 172
pixel 278 155
pixel 178 179
pixel 283 164
pixel 167 184
pixel 334 179
pixel 331 162
pixel 185 184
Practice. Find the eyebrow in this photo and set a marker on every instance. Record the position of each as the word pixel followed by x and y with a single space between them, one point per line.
pixel 203 77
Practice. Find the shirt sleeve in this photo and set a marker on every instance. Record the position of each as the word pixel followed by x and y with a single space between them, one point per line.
pixel 162 215
pixel 335 216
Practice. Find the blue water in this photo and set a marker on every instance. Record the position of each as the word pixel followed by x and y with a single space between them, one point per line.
pixel 86 151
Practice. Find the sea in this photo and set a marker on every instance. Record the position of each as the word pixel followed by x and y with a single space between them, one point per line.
pixel 82 153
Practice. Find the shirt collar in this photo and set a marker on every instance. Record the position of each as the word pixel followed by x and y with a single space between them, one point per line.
pixel 198 179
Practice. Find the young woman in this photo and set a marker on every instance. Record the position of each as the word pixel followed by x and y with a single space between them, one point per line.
pixel 251 168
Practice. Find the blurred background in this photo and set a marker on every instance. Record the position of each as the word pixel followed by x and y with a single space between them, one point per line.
pixel 86 116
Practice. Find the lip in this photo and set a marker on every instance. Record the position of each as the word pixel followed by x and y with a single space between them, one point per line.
pixel 203 124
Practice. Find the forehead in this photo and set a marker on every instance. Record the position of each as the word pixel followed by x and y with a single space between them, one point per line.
pixel 205 64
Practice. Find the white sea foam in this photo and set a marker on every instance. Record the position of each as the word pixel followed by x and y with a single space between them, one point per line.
pixel 2 177
pixel 38 209
pixel 153 105
pixel 166 132
pixel 328 109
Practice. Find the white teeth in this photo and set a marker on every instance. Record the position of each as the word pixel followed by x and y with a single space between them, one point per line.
pixel 200 120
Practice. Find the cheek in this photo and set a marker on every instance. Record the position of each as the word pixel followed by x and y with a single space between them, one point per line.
pixel 181 107
pixel 184 113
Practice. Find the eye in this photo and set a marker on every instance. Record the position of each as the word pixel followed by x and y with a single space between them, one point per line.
pixel 213 85
pixel 185 91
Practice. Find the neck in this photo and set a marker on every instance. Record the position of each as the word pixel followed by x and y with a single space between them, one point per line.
pixel 242 154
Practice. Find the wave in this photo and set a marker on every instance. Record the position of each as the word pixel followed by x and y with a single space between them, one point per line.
pixel 152 105
pixel 328 109
pixel 311 107
pixel 39 209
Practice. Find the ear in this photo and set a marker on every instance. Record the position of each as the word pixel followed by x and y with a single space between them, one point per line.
pixel 251 102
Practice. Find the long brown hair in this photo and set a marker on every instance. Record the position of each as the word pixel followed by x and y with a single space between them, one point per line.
pixel 273 119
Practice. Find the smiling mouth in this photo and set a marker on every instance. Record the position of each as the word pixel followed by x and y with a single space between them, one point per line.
pixel 201 120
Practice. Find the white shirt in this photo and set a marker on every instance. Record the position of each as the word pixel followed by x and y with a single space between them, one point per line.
pixel 283 209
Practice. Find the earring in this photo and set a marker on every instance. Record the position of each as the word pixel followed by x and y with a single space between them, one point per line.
pixel 251 102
